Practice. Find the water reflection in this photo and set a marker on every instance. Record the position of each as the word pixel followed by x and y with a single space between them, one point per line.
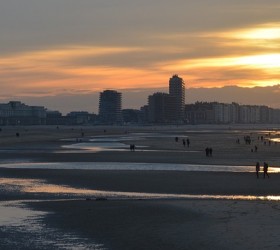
pixel 12 214
pixel 136 166
pixel 275 140
pixel 22 228
pixel 38 186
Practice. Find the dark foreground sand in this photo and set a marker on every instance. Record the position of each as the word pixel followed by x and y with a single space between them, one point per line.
pixel 165 224
pixel 157 223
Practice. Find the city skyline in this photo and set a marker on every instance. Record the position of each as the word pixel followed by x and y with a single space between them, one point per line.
pixel 68 48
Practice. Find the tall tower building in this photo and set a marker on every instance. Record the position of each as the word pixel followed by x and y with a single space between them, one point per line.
pixel 110 106
pixel 177 91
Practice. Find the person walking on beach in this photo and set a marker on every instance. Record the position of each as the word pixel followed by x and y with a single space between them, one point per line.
pixel 265 170
pixel 207 152
pixel 257 169
pixel 210 152
pixel 188 142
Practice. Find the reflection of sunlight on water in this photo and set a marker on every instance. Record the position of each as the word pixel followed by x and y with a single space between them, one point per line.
pixel 275 139
pixel 24 229
pixel 102 146
pixel 135 166
pixel 46 188
pixel 37 186
pixel 13 214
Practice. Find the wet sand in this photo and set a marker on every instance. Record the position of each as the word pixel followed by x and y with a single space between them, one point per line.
pixel 166 224
pixel 45 145
pixel 157 223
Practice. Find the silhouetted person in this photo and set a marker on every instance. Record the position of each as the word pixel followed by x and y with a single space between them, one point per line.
pixel 176 139
pixel 184 143
pixel 188 142
pixel 17 134
pixel 257 169
pixel 132 147
pixel 256 148
pixel 210 151
pixel 265 170
pixel 207 151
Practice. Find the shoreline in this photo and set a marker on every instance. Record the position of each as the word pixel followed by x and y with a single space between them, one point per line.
pixel 165 182
pixel 162 224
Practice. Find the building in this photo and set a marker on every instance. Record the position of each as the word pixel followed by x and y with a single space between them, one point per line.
pixel 131 116
pixel 222 113
pixel 17 113
pixel 177 91
pixel 80 118
pixel 110 107
pixel 161 108
pixel 199 113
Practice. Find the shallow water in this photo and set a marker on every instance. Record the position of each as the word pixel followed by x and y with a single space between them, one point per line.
pixel 275 140
pixel 22 228
pixel 38 186
pixel 135 166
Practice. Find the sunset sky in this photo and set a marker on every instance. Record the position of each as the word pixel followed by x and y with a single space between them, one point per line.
pixel 54 47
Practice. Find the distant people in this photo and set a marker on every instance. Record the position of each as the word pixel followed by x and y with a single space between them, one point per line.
pixel 207 152
pixel 265 170
pixel 188 142
pixel 210 152
pixel 247 140
pixel 17 134
pixel 257 169
pixel 132 147
pixel 184 142
pixel 176 139
pixel 256 148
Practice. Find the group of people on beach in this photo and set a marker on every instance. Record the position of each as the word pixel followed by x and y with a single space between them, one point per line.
pixel 184 141
pixel 265 169
pixel 132 147
pixel 208 152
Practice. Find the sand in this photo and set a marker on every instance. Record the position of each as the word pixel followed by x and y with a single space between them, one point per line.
pixel 165 224
pixel 154 223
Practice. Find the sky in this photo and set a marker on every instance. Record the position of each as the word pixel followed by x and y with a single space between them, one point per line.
pixel 54 48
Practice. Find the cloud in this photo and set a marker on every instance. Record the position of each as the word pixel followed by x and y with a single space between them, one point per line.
pixel 84 46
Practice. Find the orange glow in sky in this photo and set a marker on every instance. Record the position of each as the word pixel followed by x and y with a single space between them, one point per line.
pixel 78 67
pixel 60 47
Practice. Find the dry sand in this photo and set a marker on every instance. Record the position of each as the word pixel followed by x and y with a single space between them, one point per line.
pixel 155 224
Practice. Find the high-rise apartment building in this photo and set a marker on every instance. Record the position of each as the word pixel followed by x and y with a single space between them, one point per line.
pixel 110 107
pixel 177 91
pixel 160 108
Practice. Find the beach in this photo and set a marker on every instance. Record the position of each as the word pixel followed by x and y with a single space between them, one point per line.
pixel 145 209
